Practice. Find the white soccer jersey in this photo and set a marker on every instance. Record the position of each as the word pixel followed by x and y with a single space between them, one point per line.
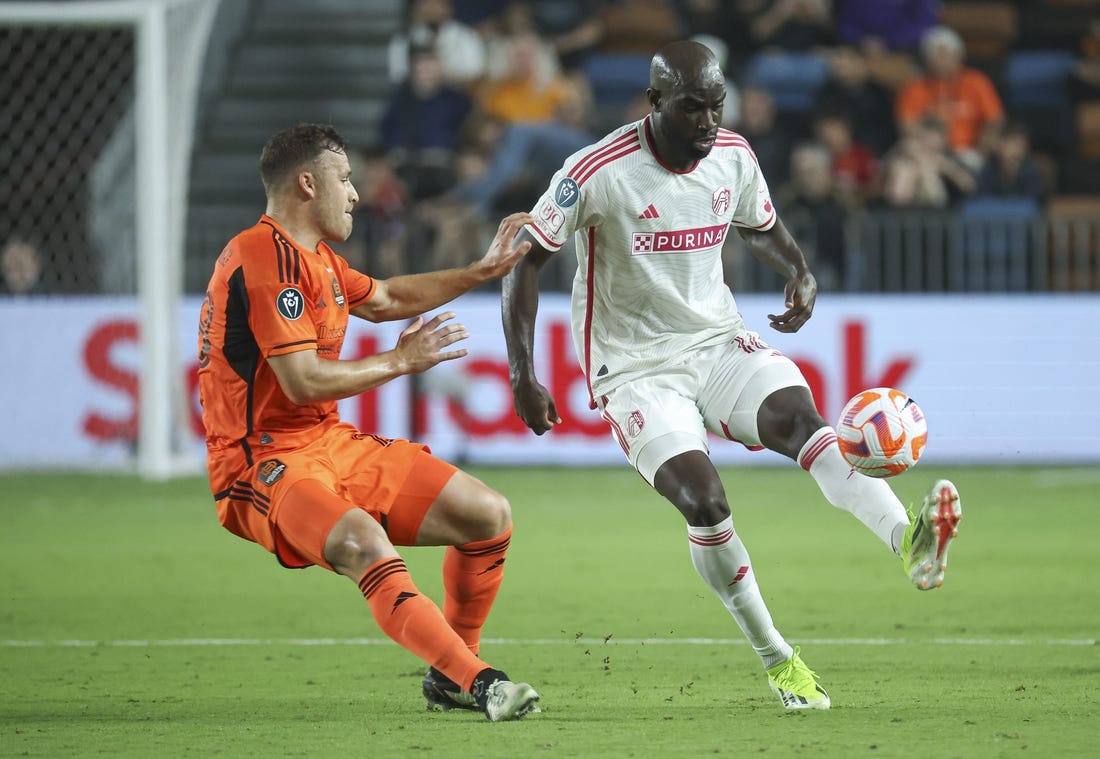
pixel 649 240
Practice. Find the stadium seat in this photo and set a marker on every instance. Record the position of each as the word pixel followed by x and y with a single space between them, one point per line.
pixel 615 78
pixel 988 27
pixel 997 240
pixel 792 79
pixel 1088 128
pixel 1036 88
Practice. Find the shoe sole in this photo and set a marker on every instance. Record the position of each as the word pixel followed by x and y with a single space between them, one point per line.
pixel 440 701
pixel 946 513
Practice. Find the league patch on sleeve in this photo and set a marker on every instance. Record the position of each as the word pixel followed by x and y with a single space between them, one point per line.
pixel 566 193
pixel 290 303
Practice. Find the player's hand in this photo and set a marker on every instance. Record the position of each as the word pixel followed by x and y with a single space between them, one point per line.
pixel 501 257
pixel 800 294
pixel 535 407
pixel 423 345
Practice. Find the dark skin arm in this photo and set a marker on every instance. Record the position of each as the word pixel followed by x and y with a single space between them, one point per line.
pixel 305 377
pixel 519 306
pixel 779 250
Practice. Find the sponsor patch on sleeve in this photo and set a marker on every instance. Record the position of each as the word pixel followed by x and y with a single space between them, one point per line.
pixel 550 217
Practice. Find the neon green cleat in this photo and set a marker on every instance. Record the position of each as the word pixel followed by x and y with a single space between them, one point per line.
pixel 796 684
pixel 929 535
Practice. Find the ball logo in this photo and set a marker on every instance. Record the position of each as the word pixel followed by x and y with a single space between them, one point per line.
pixel 290 303
pixel 566 193
pixel 720 201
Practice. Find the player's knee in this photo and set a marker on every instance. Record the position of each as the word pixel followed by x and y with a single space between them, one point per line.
pixel 494 515
pixel 702 507
pixel 352 548
pixel 787 419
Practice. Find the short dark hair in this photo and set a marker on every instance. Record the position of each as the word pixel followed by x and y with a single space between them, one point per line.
pixel 294 147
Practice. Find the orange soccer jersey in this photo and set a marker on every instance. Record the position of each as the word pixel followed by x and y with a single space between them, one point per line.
pixel 267 298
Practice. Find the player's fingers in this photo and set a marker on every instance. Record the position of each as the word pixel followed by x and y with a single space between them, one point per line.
pixel 449 338
pixel 417 323
pixel 439 319
pixel 452 355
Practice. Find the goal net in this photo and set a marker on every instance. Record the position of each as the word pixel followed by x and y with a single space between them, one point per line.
pixel 97 104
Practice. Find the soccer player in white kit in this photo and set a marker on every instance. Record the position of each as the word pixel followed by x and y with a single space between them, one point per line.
pixel 666 353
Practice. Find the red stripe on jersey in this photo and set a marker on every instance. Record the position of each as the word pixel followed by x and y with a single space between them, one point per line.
pixel 759 226
pixel 606 160
pixel 596 154
pixel 547 240
pixel 588 316
pixel 617 431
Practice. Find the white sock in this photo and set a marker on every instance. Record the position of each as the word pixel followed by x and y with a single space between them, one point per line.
pixel 868 499
pixel 722 561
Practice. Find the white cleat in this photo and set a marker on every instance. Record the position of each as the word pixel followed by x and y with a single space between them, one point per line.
pixel 506 700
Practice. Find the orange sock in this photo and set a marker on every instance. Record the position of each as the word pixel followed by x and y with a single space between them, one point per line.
pixel 415 622
pixel 471 579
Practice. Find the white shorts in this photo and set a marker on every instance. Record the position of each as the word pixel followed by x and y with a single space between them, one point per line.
pixel 721 389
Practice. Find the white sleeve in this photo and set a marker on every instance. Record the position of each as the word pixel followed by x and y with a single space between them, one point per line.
pixel 564 208
pixel 754 203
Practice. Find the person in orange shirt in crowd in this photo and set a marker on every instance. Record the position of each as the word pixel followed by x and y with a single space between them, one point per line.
pixel 530 88
pixel 963 98
pixel 288 474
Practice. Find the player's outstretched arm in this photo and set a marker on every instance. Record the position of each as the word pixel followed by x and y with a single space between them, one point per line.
pixel 519 307
pixel 413 294
pixel 305 377
pixel 779 250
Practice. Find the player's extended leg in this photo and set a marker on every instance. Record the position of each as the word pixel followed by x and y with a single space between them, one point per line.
pixel 357 547
pixel 788 423
pixel 475 522
pixel 691 483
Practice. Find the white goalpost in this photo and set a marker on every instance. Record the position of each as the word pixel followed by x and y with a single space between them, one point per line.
pixel 145 155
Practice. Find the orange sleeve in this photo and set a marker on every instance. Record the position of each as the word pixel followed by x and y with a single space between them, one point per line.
pixel 360 287
pixel 909 105
pixel 277 303
pixel 985 94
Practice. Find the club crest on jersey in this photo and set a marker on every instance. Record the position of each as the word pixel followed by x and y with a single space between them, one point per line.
pixel 720 201
pixel 337 293
pixel 290 303
pixel 635 423
pixel 270 471
pixel 566 193
pixel 678 240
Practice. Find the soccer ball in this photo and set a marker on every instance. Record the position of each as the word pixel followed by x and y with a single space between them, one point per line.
pixel 881 432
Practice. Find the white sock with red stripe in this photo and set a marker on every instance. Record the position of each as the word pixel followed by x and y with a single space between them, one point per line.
pixel 722 561
pixel 868 499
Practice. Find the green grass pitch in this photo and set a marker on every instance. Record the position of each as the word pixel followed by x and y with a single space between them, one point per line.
pixel 132 624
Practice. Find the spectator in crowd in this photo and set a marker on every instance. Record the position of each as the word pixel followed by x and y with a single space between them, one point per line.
pixel 729 21
pixel 796 25
pixel 853 165
pixel 921 171
pixel 963 98
pixel 1011 169
pixel 879 25
pixel 21 268
pixel 377 241
pixel 868 104
pixel 572 28
pixel 421 124
pixel 527 86
pixel 431 23
pixel 770 140
pixel 815 211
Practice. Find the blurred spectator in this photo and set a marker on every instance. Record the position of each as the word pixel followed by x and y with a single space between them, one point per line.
pixel 573 28
pixel 797 25
pixel 638 26
pixel 527 153
pixel 869 105
pixel 963 98
pixel 377 243
pixel 431 23
pixel 921 171
pixel 854 166
pixel 878 25
pixel 21 268
pixel 1011 169
pixel 815 212
pixel 421 124
pixel 1086 74
pixel 770 140
pixel 728 20
pixel 526 83
pixel 731 110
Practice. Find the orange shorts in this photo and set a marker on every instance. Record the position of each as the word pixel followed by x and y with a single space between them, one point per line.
pixel 395 481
